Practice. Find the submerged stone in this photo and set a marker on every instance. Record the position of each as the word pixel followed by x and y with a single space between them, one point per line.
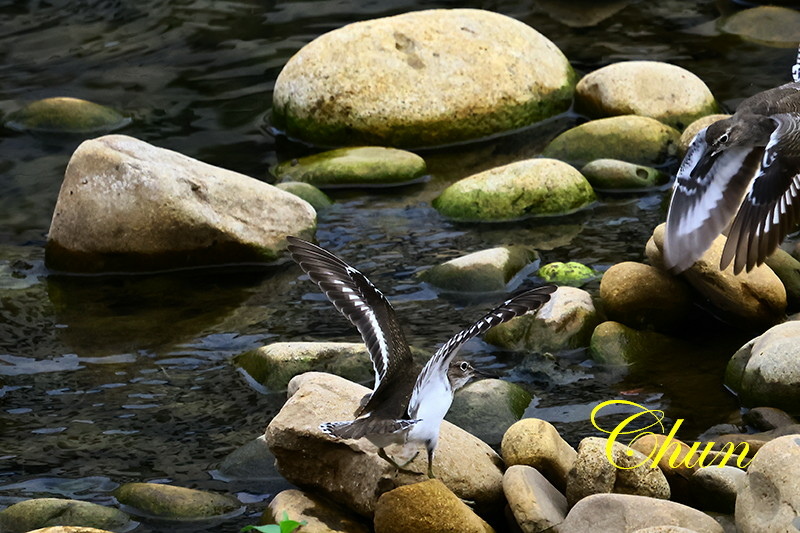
pixel 769 25
pixel 306 191
pixel 483 271
pixel 616 344
pixel 422 78
pixel 667 93
pixel 370 166
pixel 613 174
pixel 43 512
pixel 169 501
pixel 67 115
pixel 571 273
pixel 534 187
pixel 632 138
pixel 126 205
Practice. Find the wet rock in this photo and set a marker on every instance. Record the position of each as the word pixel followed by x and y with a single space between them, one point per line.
pixel 642 296
pixel 715 487
pixel 309 193
pixel 362 166
pixel 766 370
pixel 66 115
pixel 665 529
pixel 275 364
pixel 678 462
pixel 630 472
pixel 535 503
pixel 770 496
pixel 515 191
pixel 250 461
pixel 536 443
pixel 694 128
pixel 69 529
pixel 487 408
pixel 767 418
pixel 667 93
pixel 572 273
pixel 426 506
pixel 752 300
pixel 613 343
pixel 455 61
pixel 769 25
pixel 350 472
pixel 319 514
pixel 566 321
pixel 787 268
pixel 483 271
pixel 626 513
pixel 126 205
pixel 631 138
pixel 45 512
pixel 169 501
pixel 615 175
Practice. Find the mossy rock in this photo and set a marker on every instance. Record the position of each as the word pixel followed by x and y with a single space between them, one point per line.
pixel 616 175
pixel 616 344
pixel 318 199
pixel 631 138
pixel 371 166
pixel 768 25
pixel 487 408
pixel 535 187
pixel 44 512
pixel 67 115
pixel 168 501
pixel 572 273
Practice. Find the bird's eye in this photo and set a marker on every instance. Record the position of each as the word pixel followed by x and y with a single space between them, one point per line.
pixel 723 138
pixel 464 366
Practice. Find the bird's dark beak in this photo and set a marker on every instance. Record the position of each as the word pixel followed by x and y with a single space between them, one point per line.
pixel 483 374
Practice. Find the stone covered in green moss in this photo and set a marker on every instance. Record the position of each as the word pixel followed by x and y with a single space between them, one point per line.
pixel 522 189
pixel 483 271
pixel 571 273
pixel 616 344
pixel 422 78
pixel 306 191
pixel 169 501
pixel 613 174
pixel 354 167
pixel 487 408
pixel 630 138
pixel 68 115
pixel 44 512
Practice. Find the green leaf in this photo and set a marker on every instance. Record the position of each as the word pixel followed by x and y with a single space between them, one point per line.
pixel 272 528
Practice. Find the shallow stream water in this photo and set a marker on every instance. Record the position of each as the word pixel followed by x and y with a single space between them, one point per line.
pixel 110 379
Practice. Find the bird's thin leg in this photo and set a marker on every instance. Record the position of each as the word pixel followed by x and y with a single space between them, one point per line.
pixel 383 455
pixel 430 462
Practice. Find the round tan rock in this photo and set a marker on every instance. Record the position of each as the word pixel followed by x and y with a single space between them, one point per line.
pixel 169 501
pixel 320 515
pixel 640 295
pixel 694 128
pixel 421 78
pixel 66 115
pixel 427 506
pixel 770 497
pixel 750 299
pixel 534 442
pixel 667 93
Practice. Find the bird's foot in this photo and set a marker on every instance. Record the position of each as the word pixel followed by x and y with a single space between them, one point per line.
pixel 400 468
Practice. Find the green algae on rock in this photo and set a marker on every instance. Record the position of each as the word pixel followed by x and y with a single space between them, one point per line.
pixel 665 92
pixel 632 138
pixel 306 191
pixel 42 512
pixel 535 187
pixel 423 78
pixel 371 166
pixel 169 501
pixel 616 175
pixel 67 115
pixel 571 273
pixel 482 271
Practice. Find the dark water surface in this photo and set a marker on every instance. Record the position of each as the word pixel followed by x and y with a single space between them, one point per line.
pixel 105 380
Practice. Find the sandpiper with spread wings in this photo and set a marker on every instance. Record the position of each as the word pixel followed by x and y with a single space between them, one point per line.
pixel 406 407
pixel 745 168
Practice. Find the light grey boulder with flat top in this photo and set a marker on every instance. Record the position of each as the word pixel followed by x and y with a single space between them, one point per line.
pixel 481 271
pixel 126 205
pixel 350 472
pixel 422 78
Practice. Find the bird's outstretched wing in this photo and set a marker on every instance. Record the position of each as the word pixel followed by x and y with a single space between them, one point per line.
pixel 708 191
pixel 515 306
pixel 771 208
pixel 356 298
